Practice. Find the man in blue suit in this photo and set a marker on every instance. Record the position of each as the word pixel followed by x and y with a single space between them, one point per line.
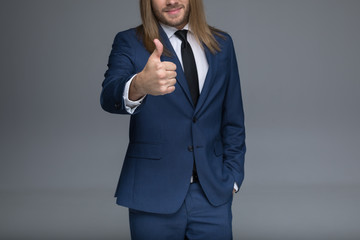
pixel 178 79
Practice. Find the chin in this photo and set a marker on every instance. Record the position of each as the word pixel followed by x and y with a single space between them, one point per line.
pixel 175 23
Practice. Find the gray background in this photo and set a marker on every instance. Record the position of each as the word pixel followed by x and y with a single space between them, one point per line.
pixel 61 155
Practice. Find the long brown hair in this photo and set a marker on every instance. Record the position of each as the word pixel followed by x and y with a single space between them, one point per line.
pixel 149 30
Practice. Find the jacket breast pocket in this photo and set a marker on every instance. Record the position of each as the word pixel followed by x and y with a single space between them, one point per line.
pixel 144 151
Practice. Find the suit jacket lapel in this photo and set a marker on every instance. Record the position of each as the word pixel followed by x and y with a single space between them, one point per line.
pixel 208 80
pixel 180 78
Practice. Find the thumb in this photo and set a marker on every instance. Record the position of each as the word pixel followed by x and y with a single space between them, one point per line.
pixel 158 49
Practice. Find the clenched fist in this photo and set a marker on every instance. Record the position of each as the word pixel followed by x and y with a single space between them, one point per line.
pixel 157 78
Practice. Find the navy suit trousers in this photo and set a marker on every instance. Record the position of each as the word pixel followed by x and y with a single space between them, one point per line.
pixel 197 219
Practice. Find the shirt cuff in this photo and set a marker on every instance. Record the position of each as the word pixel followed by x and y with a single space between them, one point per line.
pixel 130 106
pixel 236 187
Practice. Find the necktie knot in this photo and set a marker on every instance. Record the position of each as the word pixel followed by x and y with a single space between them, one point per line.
pixel 182 35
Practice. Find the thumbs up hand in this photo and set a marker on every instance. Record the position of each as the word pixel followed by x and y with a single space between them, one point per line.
pixel 157 78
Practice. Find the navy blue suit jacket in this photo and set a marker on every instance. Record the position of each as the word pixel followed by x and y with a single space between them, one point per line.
pixel 167 132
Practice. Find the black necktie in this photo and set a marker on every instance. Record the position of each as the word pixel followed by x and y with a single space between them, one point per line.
pixel 189 65
pixel 190 75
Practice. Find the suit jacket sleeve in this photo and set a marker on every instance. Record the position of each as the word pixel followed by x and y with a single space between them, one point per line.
pixel 233 129
pixel 120 70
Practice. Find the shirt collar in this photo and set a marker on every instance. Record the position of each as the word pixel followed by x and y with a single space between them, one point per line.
pixel 170 31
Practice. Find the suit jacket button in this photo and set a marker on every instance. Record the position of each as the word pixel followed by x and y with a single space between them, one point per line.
pixel 117 106
pixel 190 148
pixel 194 120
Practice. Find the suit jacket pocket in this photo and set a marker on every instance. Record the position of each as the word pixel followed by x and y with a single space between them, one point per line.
pixel 218 148
pixel 144 151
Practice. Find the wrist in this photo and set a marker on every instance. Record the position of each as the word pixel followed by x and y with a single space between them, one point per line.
pixel 135 90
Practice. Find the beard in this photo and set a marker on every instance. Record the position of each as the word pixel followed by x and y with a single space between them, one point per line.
pixel 176 21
